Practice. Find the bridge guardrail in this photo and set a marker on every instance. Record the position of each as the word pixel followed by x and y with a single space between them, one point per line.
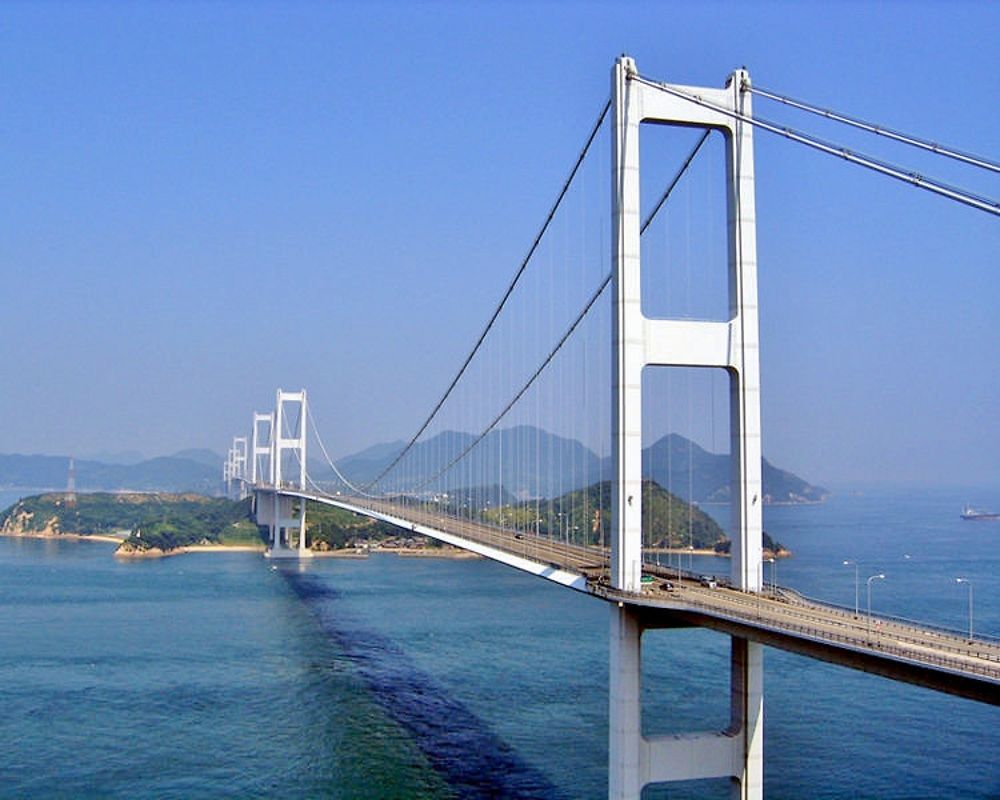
pixel 912 636
pixel 987 638
pixel 881 646
pixel 802 603
pixel 879 641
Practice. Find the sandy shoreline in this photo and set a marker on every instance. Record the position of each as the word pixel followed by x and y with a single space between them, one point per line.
pixel 707 552
pixel 704 551
pixel 406 552
pixel 76 537
pixel 155 552
pixel 431 552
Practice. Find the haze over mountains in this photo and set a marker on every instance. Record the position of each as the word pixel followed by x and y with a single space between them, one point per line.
pixel 535 464
pixel 540 464
pixel 187 471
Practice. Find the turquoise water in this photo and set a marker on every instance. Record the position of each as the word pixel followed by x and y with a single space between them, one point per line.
pixel 217 676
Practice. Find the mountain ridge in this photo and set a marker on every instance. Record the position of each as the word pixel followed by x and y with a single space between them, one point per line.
pixel 676 463
pixel 164 473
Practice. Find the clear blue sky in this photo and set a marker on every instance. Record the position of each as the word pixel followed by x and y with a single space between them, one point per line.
pixel 203 201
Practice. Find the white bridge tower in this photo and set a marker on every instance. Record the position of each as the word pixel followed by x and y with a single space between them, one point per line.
pixel 638 341
pixel 286 433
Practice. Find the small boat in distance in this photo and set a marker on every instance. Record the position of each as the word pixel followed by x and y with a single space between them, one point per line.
pixel 975 513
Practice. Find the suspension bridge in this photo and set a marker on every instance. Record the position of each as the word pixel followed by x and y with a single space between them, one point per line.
pixel 585 341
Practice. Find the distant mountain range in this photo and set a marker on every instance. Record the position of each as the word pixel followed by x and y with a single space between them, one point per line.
pixel 692 473
pixel 540 464
pixel 546 465
pixel 187 471
pixel 535 464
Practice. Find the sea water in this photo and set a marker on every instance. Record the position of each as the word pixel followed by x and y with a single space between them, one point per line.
pixel 222 675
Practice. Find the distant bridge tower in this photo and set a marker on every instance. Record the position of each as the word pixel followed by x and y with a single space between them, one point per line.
pixel 71 483
pixel 260 448
pixel 239 468
pixel 288 435
pixel 638 341
pixel 261 476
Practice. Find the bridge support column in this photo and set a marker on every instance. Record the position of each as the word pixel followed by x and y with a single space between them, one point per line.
pixel 625 694
pixel 636 760
pixel 639 341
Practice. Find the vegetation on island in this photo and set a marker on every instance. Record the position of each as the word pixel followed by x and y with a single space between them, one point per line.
pixel 580 517
pixel 166 522
pixel 145 521
pixel 770 546
pixel 329 528
pixel 583 517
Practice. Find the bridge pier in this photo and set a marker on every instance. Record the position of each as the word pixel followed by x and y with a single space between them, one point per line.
pixel 636 760
pixel 281 516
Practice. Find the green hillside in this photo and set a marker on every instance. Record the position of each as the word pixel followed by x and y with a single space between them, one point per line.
pixel 329 528
pixel 583 516
pixel 165 521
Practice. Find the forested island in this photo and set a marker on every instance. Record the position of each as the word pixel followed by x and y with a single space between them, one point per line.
pixel 141 521
pixel 162 523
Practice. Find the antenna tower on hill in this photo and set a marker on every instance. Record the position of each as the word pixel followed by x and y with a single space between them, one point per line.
pixel 71 483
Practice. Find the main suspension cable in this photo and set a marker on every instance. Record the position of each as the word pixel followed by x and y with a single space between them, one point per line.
pixel 332 465
pixel 496 420
pixel 953 193
pixel 675 181
pixel 880 130
pixel 503 300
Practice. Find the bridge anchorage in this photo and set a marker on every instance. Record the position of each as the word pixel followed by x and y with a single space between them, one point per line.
pixel 273 469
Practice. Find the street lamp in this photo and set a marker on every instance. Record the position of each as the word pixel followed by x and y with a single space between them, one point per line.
pixel 774 582
pixel 969 584
pixel 855 563
pixel 880 577
pixel 760 583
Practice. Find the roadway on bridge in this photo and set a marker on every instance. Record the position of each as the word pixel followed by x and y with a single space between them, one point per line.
pixel 944 660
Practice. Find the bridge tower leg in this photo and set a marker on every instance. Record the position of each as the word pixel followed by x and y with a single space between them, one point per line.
pixel 283 516
pixel 637 342
pixel 260 461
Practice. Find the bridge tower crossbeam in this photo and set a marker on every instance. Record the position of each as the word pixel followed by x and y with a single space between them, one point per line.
pixel 637 342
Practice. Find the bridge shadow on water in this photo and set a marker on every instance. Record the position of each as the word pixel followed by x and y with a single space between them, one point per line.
pixel 474 761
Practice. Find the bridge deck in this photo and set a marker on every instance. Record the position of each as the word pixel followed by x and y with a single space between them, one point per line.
pixel 938 659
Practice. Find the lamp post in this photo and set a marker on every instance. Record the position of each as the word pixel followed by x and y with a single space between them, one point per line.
pixel 760 584
pixel 880 577
pixel 969 584
pixel 856 585
pixel 774 582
